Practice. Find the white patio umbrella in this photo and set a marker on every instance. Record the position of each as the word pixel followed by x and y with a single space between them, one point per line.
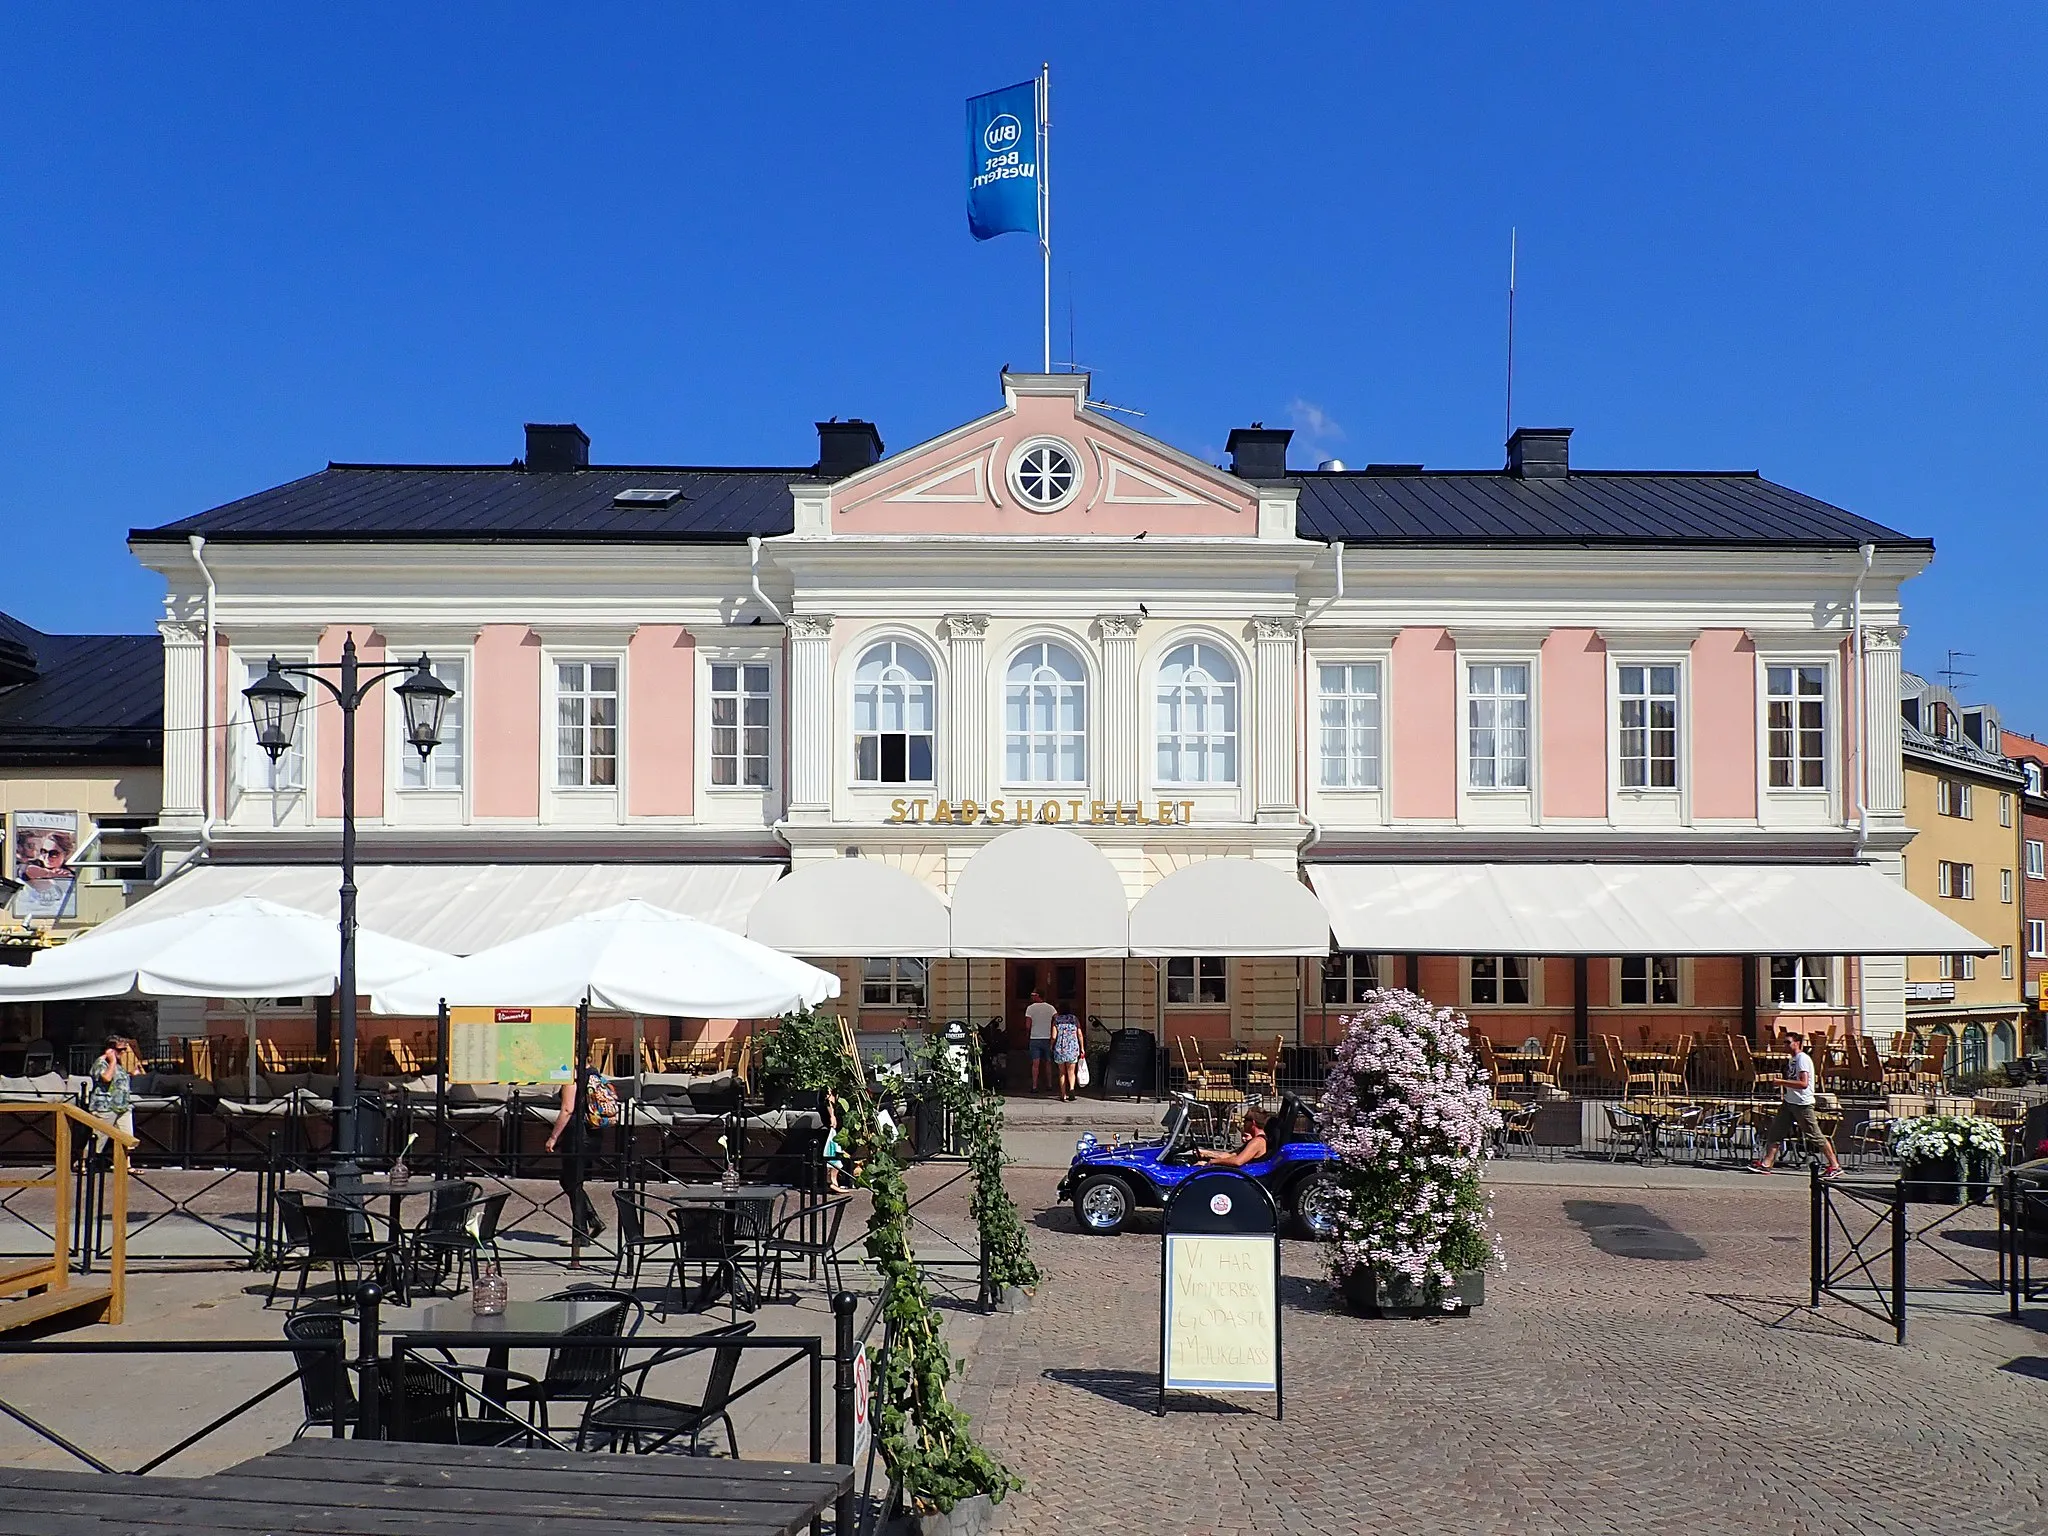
pixel 631 958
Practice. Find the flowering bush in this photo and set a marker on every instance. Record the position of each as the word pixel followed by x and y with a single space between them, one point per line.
pixel 1409 1115
pixel 1945 1138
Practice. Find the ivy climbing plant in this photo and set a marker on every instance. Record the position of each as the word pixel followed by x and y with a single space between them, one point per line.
pixel 978 1119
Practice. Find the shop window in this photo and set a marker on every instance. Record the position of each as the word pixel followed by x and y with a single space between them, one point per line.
pixel 893 711
pixel 1197 724
pixel 1974 1055
pixel 586 724
pixel 1348 975
pixel 1797 726
pixel 1648 737
pixel 1045 717
pixel 1801 981
pixel 1649 980
pixel 1196 982
pixel 898 983
pixel 1349 718
pixel 1497 726
pixel 442 767
pixel 741 702
pixel 1501 980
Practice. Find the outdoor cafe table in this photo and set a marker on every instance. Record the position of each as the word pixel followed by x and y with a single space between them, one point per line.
pixel 728 1275
pixel 456 1325
pixel 393 1488
pixel 1655 1114
pixel 371 1186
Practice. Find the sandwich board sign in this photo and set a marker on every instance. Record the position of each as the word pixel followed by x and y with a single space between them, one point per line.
pixel 1219 1289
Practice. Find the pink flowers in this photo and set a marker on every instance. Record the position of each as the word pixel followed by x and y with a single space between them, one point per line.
pixel 1409 1115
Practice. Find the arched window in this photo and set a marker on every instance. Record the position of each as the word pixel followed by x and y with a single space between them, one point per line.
pixel 1197 716
pixel 892 715
pixel 1045 717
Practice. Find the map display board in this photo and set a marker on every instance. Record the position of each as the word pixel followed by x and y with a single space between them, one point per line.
pixel 511 1045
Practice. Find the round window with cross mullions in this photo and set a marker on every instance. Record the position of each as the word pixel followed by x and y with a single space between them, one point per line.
pixel 1045 474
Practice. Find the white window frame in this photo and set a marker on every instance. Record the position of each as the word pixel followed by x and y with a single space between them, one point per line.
pixel 1197 971
pixel 1013 475
pixel 1348 963
pixel 2005 962
pixel 1807 970
pixel 2037 938
pixel 1468 702
pixel 1032 737
pixel 1948 967
pixel 2005 886
pixel 1354 704
pixel 1656 970
pixel 2005 807
pixel 2037 859
pixel 1681 712
pixel 1501 980
pixel 903 982
pixel 1952 798
pixel 1207 743
pixel 1796 763
pixel 407 760
pixel 1969 966
pixel 740 695
pixel 905 688
pixel 551 724
pixel 253 772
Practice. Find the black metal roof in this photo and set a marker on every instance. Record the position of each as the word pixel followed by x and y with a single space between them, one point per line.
pixel 93 698
pixel 1407 505
pixel 345 502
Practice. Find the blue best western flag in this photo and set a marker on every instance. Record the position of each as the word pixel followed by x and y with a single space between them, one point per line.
pixel 1002 162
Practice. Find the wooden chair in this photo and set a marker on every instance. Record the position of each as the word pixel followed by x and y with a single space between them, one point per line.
pixel 1205 1083
pixel 1745 1065
pixel 1607 1072
pixel 601 1054
pixel 399 1052
pixel 1264 1082
pixel 649 1062
pixel 198 1056
pixel 1671 1080
pixel 1932 1070
pixel 1634 1084
pixel 269 1057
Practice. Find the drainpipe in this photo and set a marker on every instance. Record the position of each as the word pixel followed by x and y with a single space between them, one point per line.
pixel 208 747
pixel 1869 554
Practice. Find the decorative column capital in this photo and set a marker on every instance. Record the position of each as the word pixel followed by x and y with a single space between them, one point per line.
pixel 175 633
pixel 965 626
pixel 810 626
pixel 1280 627
pixel 1120 626
pixel 1884 637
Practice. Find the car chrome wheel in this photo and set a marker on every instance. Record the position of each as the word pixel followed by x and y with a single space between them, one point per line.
pixel 1103 1206
pixel 1317 1201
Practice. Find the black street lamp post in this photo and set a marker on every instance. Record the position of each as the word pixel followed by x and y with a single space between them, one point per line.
pixel 274 705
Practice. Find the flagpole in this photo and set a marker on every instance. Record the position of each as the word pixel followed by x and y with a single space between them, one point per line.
pixel 1045 198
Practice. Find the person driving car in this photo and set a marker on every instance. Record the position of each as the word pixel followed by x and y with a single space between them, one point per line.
pixel 1252 1149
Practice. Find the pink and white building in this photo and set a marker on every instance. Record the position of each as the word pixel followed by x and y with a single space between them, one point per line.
pixel 1575 750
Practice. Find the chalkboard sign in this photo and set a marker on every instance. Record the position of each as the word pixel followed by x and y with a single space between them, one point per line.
pixel 1219 1289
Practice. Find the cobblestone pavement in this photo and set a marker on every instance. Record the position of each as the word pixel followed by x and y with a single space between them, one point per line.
pixel 1595 1392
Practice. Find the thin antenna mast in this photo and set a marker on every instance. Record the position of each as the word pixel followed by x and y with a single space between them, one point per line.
pixel 1952 674
pixel 1513 233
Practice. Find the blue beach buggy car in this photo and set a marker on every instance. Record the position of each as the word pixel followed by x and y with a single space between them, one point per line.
pixel 1108 1184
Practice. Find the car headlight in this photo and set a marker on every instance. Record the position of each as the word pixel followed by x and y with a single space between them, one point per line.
pixel 1086 1144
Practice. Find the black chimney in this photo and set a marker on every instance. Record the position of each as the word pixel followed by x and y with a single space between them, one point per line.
pixel 847 447
pixel 1258 452
pixel 563 445
pixel 1540 453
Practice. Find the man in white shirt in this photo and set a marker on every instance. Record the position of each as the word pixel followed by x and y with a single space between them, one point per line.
pixel 1040 1014
pixel 1796 1113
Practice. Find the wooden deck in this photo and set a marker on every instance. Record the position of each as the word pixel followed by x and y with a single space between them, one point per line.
pixel 321 1487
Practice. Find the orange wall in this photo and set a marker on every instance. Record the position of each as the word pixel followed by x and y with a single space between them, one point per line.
pixel 660 714
pixel 1574 733
pixel 1724 724
pixel 505 724
pixel 1425 723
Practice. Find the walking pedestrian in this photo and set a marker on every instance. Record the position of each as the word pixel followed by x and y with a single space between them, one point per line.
pixel 1066 1051
pixel 604 1110
pixel 1040 1015
pixel 1796 1112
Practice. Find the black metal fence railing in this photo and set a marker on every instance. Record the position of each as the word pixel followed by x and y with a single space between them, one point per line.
pixel 1864 1234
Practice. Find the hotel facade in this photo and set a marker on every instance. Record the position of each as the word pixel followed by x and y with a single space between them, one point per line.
pixel 1047 703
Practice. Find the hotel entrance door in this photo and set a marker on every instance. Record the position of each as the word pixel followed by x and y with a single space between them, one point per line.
pixel 1063 983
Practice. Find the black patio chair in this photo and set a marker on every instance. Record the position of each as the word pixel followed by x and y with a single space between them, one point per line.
pixel 699 1235
pixel 325 1386
pixel 579 1373
pixel 292 1240
pixel 823 1219
pixel 332 1238
pixel 635 1242
pixel 633 1421
pixel 452 1235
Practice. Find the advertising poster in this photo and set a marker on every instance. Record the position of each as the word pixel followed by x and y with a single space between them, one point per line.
pixel 1222 1313
pixel 41 844
pixel 511 1045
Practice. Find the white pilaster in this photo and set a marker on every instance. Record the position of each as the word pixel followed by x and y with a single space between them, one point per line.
pixel 1123 717
pixel 812 720
pixel 1277 659
pixel 185 739
pixel 1881 737
pixel 967 719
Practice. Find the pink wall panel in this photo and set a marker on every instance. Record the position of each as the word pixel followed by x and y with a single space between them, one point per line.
pixel 660 721
pixel 1724 724
pixel 369 728
pixel 505 724
pixel 223 743
pixel 1574 728
pixel 1425 723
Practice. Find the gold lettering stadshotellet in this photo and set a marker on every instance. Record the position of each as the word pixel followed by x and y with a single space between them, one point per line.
pixel 1094 813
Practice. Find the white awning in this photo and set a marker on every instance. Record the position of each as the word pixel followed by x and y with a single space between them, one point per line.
pixel 852 907
pixel 1230 907
pixel 1632 909
pixel 463 908
pixel 1040 893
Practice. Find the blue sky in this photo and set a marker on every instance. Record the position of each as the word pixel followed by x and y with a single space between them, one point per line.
pixel 1809 240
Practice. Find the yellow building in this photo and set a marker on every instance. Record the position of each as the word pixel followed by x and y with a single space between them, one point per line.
pixel 1964 802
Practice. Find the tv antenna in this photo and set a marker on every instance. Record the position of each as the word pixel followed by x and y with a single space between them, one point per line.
pixel 1952 674
pixel 1071 366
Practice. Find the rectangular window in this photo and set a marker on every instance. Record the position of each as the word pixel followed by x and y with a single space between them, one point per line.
pixel 2037 859
pixel 1958 881
pixel 2037 938
pixel 1797 726
pixel 1944 878
pixel 122 853
pixel 1952 798
pixel 442 768
pixel 2004 808
pixel 739 725
pixel 1500 979
pixel 1799 981
pixel 1348 975
pixel 896 983
pixel 586 724
pixel 1649 726
pixel 2005 886
pixel 2005 961
pixel 1350 723
pixel 1193 982
pixel 1967 875
pixel 1497 717
pixel 1948 967
pixel 1969 966
pixel 1649 979
pixel 288 774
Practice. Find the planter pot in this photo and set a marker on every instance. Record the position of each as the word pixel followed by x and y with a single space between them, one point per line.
pixel 1371 1294
pixel 1937 1181
pixel 970 1517
pixel 1014 1299
pixel 1980 1167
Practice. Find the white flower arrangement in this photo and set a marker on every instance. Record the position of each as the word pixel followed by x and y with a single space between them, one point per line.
pixel 1945 1138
